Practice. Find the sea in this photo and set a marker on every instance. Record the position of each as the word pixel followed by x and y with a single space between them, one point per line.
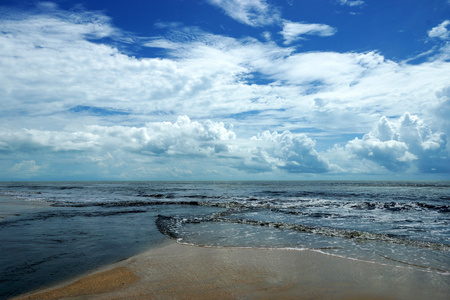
pixel 53 231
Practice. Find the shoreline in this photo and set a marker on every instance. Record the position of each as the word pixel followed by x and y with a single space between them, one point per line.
pixel 175 271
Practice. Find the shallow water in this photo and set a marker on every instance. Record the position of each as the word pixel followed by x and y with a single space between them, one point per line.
pixel 53 230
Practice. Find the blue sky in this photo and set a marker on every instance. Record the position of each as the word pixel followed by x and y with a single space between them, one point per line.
pixel 224 89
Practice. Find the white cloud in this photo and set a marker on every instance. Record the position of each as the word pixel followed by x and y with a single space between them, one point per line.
pixel 25 169
pixel 291 152
pixel 39 140
pixel 50 64
pixel 322 69
pixel 52 67
pixel 267 35
pixel 293 31
pixel 180 137
pixel 251 12
pixel 441 110
pixel 402 145
pixel 351 2
pixel 207 76
pixel 440 31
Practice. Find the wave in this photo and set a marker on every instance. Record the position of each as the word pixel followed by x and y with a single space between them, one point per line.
pixel 123 203
pixel 294 206
pixel 171 227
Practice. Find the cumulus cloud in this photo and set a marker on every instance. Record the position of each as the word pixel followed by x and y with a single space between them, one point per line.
pixel 251 12
pixel 293 31
pixel 25 166
pixel 25 169
pixel 440 31
pixel 407 143
pixel 291 152
pixel 180 137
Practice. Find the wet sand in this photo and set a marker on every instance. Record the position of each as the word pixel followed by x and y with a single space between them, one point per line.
pixel 175 271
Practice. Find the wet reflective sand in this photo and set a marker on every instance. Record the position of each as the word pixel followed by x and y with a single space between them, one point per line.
pixel 188 272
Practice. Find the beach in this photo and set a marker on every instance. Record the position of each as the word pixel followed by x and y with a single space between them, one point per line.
pixel 175 271
pixel 224 240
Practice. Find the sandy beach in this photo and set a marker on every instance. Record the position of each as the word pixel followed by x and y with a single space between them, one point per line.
pixel 177 271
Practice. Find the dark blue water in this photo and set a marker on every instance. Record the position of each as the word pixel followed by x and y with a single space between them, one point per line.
pixel 51 231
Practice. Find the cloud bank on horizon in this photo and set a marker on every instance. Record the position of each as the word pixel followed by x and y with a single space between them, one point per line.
pixel 237 89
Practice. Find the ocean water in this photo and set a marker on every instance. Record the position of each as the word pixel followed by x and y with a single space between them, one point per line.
pixel 51 231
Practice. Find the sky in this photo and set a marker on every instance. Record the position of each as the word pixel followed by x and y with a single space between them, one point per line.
pixel 224 90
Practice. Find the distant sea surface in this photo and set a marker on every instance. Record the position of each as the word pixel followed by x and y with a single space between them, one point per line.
pixel 51 231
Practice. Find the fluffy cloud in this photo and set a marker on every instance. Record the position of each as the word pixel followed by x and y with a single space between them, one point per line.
pixel 293 31
pixel 251 12
pixel 398 146
pixel 50 70
pixel 180 137
pixel 25 169
pixel 41 140
pixel 321 69
pixel 440 31
pixel 291 152
pixel 54 64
